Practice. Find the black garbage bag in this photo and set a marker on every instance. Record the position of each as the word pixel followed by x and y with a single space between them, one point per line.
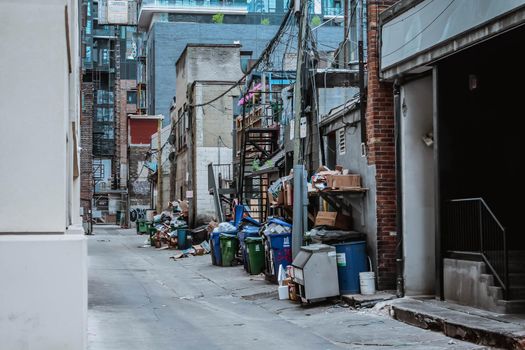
pixel 326 236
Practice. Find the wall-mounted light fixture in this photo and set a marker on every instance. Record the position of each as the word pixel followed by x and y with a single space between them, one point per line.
pixel 473 82
pixel 428 138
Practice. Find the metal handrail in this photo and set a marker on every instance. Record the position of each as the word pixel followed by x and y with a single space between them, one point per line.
pixel 464 218
pixel 485 205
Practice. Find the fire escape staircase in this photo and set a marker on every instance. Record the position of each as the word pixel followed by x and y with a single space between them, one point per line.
pixel 258 146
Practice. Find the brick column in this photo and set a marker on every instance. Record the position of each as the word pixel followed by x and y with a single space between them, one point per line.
pixel 381 151
pixel 86 144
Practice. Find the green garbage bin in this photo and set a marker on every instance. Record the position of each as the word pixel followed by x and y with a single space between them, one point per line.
pixel 254 246
pixel 142 227
pixel 229 247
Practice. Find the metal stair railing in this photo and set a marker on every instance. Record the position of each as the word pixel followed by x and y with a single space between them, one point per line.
pixel 470 226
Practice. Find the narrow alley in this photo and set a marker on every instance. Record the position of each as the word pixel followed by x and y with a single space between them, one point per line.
pixel 139 298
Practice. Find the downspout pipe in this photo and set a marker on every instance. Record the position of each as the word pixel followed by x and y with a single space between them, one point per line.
pixel 400 262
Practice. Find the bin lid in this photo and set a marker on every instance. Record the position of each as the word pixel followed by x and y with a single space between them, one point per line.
pixel 250 229
pixel 251 220
pixel 228 236
pixel 253 239
pixel 335 236
pixel 279 222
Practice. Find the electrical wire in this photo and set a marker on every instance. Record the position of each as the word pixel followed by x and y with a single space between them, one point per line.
pixel 263 56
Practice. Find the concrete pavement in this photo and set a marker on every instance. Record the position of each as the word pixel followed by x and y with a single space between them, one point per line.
pixel 139 298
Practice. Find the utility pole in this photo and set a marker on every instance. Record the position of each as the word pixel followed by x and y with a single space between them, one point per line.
pixel 362 95
pixel 159 167
pixel 345 33
pixel 298 168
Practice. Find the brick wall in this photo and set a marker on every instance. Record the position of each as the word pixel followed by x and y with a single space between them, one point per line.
pixel 86 144
pixel 381 151
pixel 122 124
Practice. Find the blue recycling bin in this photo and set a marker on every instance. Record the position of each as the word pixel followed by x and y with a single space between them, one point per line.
pixel 215 247
pixel 247 231
pixel 281 250
pixel 351 259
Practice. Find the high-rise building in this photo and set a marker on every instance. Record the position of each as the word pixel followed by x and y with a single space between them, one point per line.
pixel 109 94
pixel 167 26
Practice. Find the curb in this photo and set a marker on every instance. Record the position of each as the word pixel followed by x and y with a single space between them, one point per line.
pixel 467 331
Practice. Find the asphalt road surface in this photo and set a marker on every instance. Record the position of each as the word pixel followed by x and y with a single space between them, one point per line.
pixel 139 298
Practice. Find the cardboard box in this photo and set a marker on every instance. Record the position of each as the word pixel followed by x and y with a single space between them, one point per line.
pixel 279 200
pixel 288 193
pixel 333 219
pixel 344 181
pixel 199 250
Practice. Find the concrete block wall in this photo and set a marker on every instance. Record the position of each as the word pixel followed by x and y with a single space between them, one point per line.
pixel 381 151
pixel 205 156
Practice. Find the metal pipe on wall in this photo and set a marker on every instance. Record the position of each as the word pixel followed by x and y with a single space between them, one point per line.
pixel 400 261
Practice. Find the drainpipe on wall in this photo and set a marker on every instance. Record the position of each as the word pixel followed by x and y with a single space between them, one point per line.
pixel 400 262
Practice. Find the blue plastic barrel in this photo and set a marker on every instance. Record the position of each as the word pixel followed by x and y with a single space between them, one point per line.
pixel 351 259
pixel 182 238
pixel 281 246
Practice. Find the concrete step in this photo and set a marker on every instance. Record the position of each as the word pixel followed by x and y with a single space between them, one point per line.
pixel 464 325
pixel 495 292
pixel 487 278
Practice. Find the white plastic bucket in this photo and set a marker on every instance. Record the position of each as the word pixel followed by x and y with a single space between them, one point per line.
pixel 367 283
pixel 283 292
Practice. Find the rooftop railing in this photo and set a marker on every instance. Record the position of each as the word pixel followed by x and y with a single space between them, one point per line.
pixel 242 5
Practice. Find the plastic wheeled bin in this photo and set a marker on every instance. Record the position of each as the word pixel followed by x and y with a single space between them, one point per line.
pixel 247 231
pixel 142 227
pixel 229 247
pixel 255 250
pixel 281 250
pixel 215 247
pixel 182 238
pixel 351 259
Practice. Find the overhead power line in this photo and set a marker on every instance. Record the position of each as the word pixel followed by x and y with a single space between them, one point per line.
pixel 265 54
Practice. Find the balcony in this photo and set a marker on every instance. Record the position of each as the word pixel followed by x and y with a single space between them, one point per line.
pixel 333 12
pixel 104 33
pixel 150 7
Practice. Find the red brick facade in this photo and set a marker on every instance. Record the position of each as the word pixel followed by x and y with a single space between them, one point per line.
pixel 86 144
pixel 381 151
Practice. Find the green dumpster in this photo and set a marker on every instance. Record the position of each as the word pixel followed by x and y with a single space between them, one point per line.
pixel 229 247
pixel 255 250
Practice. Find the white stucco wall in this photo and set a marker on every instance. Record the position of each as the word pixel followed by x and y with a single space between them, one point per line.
pixel 43 277
pixel 34 114
pixel 418 188
pixel 43 293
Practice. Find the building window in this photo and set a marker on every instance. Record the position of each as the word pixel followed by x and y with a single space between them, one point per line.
pixel 88 53
pixel 341 141
pixel 104 97
pixel 131 97
pixel 104 114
